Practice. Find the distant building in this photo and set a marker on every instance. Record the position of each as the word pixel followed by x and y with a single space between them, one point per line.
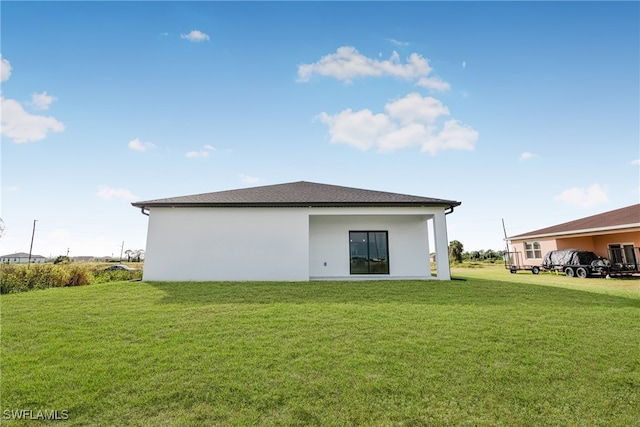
pixel 83 258
pixel 21 258
pixel 614 235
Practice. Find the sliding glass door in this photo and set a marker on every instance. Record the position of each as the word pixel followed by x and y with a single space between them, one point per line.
pixel 369 251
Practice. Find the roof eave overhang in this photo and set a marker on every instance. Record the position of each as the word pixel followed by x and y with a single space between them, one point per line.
pixel 586 231
pixel 443 204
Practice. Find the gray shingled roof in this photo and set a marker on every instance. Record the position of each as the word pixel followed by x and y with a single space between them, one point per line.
pixel 296 194
pixel 21 255
pixel 619 218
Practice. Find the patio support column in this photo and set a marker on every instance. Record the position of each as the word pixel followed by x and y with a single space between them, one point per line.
pixel 443 271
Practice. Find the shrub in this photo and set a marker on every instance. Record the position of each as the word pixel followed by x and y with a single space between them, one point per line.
pixel 101 276
pixel 20 278
pixel 79 275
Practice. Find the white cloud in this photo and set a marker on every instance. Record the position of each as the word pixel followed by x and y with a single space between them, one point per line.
pixel 453 136
pixel 248 179
pixel 433 84
pixel 527 156
pixel 137 145
pixel 360 129
pixel 407 136
pixel 398 42
pixel 196 154
pixel 41 101
pixel 195 36
pixel 207 149
pixel 107 193
pixel 411 121
pixel 584 197
pixel 22 127
pixel 415 108
pixel 347 64
pixel 19 125
pixel 635 162
pixel 5 69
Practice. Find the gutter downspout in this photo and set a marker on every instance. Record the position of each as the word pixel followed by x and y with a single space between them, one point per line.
pixel 448 210
pixel 143 212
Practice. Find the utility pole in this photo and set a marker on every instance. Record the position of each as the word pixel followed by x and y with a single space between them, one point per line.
pixel 121 249
pixel 33 233
pixel 504 230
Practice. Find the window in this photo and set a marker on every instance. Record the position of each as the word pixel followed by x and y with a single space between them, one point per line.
pixel 369 252
pixel 532 250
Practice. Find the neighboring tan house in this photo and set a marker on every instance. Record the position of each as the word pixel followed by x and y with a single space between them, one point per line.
pixel 614 235
pixel 298 231
pixel 83 258
pixel 21 258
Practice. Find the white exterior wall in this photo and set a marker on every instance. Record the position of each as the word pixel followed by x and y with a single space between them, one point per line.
pixel 22 260
pixel 407 238
pixel 217 244
pixel 287 244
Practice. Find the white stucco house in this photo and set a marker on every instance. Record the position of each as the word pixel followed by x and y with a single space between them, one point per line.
pixel 297 231
pixel 22 258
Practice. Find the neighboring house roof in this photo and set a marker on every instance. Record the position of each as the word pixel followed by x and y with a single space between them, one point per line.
pixel 297 194
pixel 20 255
pixel 83 258
pixel 607 221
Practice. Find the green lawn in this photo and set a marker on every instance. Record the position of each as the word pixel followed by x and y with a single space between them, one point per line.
pixel 487 349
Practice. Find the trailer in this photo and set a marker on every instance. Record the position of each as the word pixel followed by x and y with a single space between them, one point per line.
pixel 513 263
pixel 513 260
pixel 575 263
pixel 623 261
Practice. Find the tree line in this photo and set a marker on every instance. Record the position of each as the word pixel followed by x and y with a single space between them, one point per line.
pixel 134 255
pixel 458 254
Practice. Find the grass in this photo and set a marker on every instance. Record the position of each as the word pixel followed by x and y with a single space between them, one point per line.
pixel 621 286
pixel 487 349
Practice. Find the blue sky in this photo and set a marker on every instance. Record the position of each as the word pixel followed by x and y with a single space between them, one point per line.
pixel 522 111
